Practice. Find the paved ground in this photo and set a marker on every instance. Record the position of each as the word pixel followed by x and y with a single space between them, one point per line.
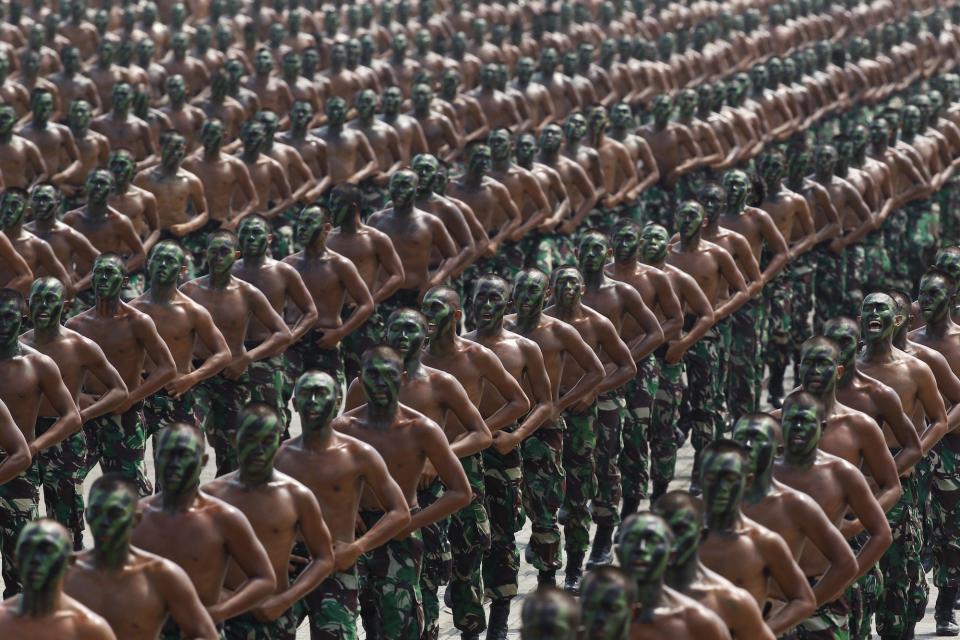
pixel 528 575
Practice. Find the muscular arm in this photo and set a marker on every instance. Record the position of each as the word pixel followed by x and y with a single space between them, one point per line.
pixel 776 243
pixel 582 183
pixel 52 387
pixel 651 335
pixel 278 179
pixel 543 406
pixel 244 549
pixel 624 366
pixel 934 409
pixel 893 415
pixel 798 596
pixel 366 155
pixel 390 266
pixel 165 369
pixel 509 230
pixel 357 288
pixel 448 250
pixel 219 356
pixel 532 188
pixel 831 544
pixel 279 337
pixel 699 304
pixel 650 167
pixel 476 436
pixel 180 597
pixel 96 363
pixel 137 255
pixel 871 516
pixel 316 536
pixel 48 260
pixel 199 202
pixel 515 400
pixel 22 275
pixel 450 471
pixel 585 390
pixel 14 446
pixel 825 204
pixel 243 180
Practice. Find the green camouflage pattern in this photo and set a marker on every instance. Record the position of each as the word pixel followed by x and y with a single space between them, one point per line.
pixel 898 245
pixel 266 386
pixel 247 627
pixel 863 595
pixel 948 198
pixel 828 622
pixel 877 266
pixel 543 491
pixel 60 473
pixel 118 443
pixel 368 335
pixel 802 272
pixel 437 561
pixel 547 250
pixel 19 504
pixel 580 468
pixel 611 407
pixel 779 313
pixel 854 271
pixel 221 400
pixel 666 415
pixel 700 410
pixel 639 395
pixel 160 410
pixel 469 536
pixel 332 607
pixel 922 238
pixel 391 604
pixel 945 508
pixel 830 299
pixel 501 563
pixel 744 359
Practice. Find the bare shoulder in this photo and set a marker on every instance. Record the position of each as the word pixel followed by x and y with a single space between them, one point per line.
pixel 418 422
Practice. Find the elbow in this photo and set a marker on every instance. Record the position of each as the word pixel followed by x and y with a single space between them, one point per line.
pixel 266 584
pixel 631 371
pixel 19 461
pixel 884 536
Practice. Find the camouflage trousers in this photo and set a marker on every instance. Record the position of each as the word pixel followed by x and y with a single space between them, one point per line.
pixel 19 504
pixel 60 472
pixel 659 202
pixel 469 539
pixel 118 443
pixel 742 388
pixel 830 300
pixel 863 596
pixel 611 408
pixel 949 200
pixel 580 469
pixel 802 272
pixel 896 240
pixel 266 386
pixel 331 607
pixel 308 355
pixel 160 410
pixel 547 250
pixel 544 485
pixel 904 595
pixel 635 458
pixel 779 304
pixel 502 476
pixel 700 408
pixel 853 279
pixel 248 627
pixel 391 605
pixel 877 267
pixel 945 512
pixel 221 401
pixel 665 420
pixel 922 239
pixel 437 561
pixel 829 622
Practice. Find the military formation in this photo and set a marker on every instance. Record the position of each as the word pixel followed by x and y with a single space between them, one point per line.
pixel 414 276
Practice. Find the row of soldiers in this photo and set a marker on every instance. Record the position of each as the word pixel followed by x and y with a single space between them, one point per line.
pixel 240 225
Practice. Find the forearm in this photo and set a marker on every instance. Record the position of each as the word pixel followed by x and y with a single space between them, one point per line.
pixel 250 594
pixel 794 612
pixel 510 412
pixel 831 584
pixel 210 367
pixel 63 428
pixel 908 456
pixel 360 315
pixel 15 464
pixel 470 442
pixel 153 383
pixel 389 525
pixel 534 420
pixel 315 572
pixel 104 405
pixel 304 324
pixel 776 265
pixel 449 503
pixel 584 387
pixel 388 288
pixel 616 379
pixel 272 346
pixel 644 345
pixel 931 436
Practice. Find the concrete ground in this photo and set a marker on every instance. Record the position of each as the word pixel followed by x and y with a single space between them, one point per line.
pixel 528 575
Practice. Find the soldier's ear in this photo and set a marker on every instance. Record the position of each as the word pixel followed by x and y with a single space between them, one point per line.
pixel 840 371
pixel 206 458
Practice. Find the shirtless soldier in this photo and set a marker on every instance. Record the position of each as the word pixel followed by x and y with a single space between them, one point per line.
pixel 687 574
pixel 644 549
pixel 745 553
pixel 21 163
pixel 838 487
pixel 181 322
pixel 123 129
pixel 43 611
pixel 137 204
pixel 280 510
pixel 62 466
pixel 581 427
pixel 476 539
pixel 222 176
pixel 233 304
pixel 118 440
pixel 400 435
pixel 338 469
pixel 199 532
pixel 350 156
pixel 55 141
pixel 134 590
pixel 37 253
pixel 522 360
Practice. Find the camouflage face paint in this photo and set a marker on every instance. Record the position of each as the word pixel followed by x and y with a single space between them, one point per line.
pixel 258 438
pixel 111 514
pixel 179 458
pixel 643 547
pixel 254 235
pixel 380 379
pixel 108 277
pixel 47 296
pixel 315 398
pixel 406 332
pixel 42 555
pixel 723 479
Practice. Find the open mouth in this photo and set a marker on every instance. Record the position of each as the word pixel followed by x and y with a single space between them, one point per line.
pixel 874 325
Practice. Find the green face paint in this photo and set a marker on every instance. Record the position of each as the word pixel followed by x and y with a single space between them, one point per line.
pixel 644 547
pixel 315 398
pixel 12 207
pixel 403 188
pixel 723 480
pixel 592 252
pixel 934 299
pixel 439 313
pixel 549 617
pixel 426 166
pixel 846 335
pixel 258 438
pixel 254 235
pixel 689 219
pixel 490 303
pixel 166 262
pixel 607 610
pixel 43 201
pixel 818 369
pixel 529 292
pixel 877 317
pixel 42 555
pixel 568 287
pixel 654 244
pixel 221 254
pixel 311 225
pixel 685 526
pixel 759 441
pixel 179 457
pixel 380 379
pixel 99 185
pixel 111 515
pixel 626 243
pixel 46 302
pixel 406 333
pixel 801 430
pixel 108 277
pixel 121 165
